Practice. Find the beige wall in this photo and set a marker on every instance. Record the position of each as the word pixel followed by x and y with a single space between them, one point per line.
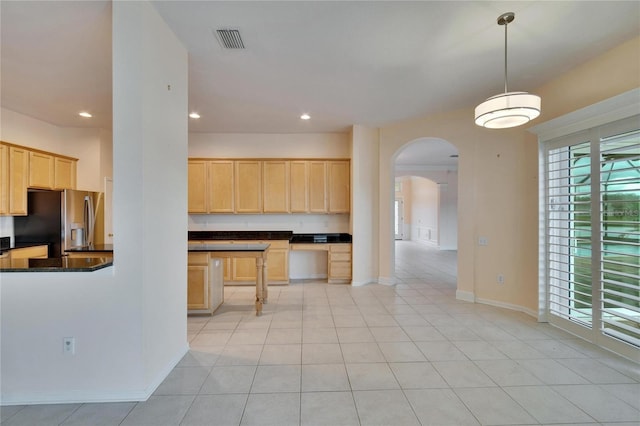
pixel 267 145
pixel 498 184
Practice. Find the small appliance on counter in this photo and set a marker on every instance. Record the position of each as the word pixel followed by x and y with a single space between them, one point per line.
pixel 63 219
pixel 5 244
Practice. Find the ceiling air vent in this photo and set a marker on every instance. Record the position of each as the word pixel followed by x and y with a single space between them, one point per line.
pixel 230 39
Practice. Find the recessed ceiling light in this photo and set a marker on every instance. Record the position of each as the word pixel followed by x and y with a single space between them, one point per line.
pixel 194 115
pixel 85 114
pixel 305 116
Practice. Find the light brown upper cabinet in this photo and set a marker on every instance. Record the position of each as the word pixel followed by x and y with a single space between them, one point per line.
pixel 221 187
pixel 197 181
pixel 211 186
pixel 4 179
pixel 18 180
pixel 269 186
pixel 317 186
pixel 41 170
pixel 339 183
pixel 64 176
pixel 299 186
pixel 248 188
pixel 22 168
pixel 275 186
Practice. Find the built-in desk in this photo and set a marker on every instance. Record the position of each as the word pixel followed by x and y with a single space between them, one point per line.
pixel 338 259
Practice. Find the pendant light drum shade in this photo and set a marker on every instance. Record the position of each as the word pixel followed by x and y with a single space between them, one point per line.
pixel 507 110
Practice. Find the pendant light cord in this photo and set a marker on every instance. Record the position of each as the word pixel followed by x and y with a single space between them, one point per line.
pixel 505 56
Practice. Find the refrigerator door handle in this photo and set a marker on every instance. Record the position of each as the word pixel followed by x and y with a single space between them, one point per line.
pixel 88 219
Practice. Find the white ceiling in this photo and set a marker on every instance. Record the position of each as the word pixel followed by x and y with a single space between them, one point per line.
pixel 362 62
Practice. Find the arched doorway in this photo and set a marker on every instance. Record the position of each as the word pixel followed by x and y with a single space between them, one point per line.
pixel 425 201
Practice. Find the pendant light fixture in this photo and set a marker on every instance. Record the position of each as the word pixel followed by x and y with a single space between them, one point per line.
pixel 508 109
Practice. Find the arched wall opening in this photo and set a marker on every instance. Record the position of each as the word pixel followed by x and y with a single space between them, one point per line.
pixel 425 172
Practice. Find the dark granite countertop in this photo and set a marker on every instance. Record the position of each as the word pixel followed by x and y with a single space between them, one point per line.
pixel 240 235
pixel 92 248
pixel 320 238
pixel 227 247
pixel 55 264
pixel 317 238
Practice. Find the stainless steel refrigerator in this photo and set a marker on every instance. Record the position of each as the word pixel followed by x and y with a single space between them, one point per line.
pixel 62 219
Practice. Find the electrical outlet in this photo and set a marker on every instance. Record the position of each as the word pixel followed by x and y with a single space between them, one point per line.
pixel 483 241
pixel 69 345
pixel 500 279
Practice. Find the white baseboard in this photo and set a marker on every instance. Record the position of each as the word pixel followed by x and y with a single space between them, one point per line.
pixel 468 296
pixel 510 306
pixel 387 280
pixel 307 277
pixel 465 296
pixel 84 396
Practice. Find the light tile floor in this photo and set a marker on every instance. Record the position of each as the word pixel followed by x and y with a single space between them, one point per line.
pixel 374 355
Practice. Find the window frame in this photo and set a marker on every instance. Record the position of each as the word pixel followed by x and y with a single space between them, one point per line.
pixel 610 117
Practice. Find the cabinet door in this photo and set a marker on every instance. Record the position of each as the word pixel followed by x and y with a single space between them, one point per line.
pixel 299 186
pixel 227 269
pixel 18 179
pixel 278 265
pixel 198 287
pixel 317 186
pixel 339 183
pixel 248 190
pixel 339 270
pixel 64 170
pixel 40 170
pixel 221 182
pixel 275 181
pixel 244 269
pixel 197 187
pixel 4 179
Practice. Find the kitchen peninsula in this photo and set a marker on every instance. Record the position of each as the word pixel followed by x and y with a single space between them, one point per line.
pixel 203 288
pixel 32 257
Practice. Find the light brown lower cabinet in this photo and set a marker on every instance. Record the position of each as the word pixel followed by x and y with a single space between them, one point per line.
pixel 204 291
pixel 243 270
pixel 339 263
pixel 197 287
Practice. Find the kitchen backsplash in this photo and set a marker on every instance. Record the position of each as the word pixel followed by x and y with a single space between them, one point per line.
pixel 304 223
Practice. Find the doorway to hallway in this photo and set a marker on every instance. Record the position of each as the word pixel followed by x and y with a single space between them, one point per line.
pixel 417 262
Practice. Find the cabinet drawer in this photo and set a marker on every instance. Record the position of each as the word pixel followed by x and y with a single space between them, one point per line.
pixel 340 257
pixel 344 248
pixel 198 259
pixel 340 270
